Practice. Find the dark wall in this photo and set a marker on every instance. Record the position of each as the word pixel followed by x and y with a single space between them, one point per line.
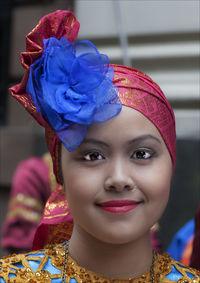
pixel 5 25
pixel 5 191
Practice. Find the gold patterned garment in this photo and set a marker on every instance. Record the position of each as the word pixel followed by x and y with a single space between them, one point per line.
pixel 47 266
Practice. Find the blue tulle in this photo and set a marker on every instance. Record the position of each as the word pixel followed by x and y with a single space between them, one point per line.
pixel 71 86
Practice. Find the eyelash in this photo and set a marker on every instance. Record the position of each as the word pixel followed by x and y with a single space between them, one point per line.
pixel 97 156
pixel 89 154
pixel 150 153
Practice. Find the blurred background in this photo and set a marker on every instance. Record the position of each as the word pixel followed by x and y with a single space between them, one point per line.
pixel 160 38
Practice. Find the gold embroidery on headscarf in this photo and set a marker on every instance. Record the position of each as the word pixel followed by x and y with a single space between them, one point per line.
pixel 138 102
pixel 130 94
pixel 24 100
pixel 150 103
pixel 59 233
pixel 48 160
pixel 54 26
pixel 27 104
pixel 53 204
pixel 73 22
pixel 72 25
pixel 57 215
pixel 126 82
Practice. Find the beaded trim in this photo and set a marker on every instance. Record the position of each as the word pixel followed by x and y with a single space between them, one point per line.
pixel 19 269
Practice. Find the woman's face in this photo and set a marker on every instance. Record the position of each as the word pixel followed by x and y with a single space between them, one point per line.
pixel 118 181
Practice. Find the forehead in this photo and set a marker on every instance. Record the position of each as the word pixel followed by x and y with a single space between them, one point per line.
pixel 129 123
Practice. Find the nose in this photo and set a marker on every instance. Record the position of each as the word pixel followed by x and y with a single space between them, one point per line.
pixel 118 177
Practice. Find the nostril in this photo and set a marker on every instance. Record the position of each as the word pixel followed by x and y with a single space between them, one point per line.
pixel 110 188
pixel 127 187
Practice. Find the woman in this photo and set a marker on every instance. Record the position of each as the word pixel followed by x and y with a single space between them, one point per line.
pixel 32 184
pixel 111 134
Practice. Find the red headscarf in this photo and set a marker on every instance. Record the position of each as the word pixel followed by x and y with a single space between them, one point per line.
pixel 140 92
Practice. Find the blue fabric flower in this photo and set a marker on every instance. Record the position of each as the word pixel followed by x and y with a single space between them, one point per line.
pixel 71 86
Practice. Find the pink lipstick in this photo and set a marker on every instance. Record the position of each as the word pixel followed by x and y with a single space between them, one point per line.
pixel 119 206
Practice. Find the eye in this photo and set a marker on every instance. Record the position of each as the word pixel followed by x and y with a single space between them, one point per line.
pixel 142 154
pixel 93 156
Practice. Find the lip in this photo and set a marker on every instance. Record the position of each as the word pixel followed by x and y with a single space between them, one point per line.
pixel 119 206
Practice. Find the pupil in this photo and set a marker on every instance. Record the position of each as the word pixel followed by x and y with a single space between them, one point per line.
pixel 140 154
pixel 94 156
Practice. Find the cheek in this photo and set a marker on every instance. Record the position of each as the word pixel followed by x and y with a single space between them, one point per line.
pixel 161 190
pixel 155 183
pixel 163 179
pixel 80 187
pixel 156 191
pixel 162 193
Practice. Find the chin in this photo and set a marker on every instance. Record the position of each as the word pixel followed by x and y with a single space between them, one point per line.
pixel 122 236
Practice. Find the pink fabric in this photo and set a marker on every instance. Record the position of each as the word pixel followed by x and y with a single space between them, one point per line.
pixel 57 222
pixel 30 182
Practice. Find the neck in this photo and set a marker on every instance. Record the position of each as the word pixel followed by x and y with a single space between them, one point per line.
pixel 111 260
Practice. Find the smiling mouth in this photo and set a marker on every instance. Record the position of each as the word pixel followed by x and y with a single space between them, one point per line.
pixel 119 206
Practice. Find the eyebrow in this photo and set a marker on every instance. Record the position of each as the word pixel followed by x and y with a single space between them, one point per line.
pixel 143 138
pixel 135 140
pixel 94 141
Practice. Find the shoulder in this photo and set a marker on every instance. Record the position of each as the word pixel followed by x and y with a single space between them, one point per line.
pixel 40 266
pixel 31 163
pixel 170 270
pixel 29 169
pixel 180 240
pixel 32 176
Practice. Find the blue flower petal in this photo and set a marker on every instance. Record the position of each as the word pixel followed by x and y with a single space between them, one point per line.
pixel 71 86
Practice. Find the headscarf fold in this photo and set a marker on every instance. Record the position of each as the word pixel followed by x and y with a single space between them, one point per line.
pixel 57 24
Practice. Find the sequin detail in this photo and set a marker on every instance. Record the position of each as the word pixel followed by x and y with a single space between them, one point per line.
pixel 46 265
